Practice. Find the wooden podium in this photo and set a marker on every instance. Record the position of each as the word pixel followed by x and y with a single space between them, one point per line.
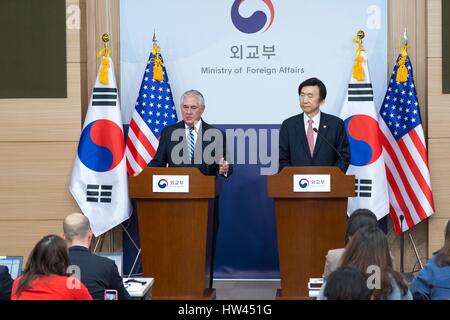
pixel 176 232
pixel 308 225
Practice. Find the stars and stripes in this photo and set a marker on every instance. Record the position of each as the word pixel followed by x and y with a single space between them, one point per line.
pixel 154 110
pixel 406 159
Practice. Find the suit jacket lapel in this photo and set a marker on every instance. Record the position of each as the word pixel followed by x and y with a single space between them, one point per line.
pixel 199 143
pixel 182 125
pixel 323 125
pixel 302 133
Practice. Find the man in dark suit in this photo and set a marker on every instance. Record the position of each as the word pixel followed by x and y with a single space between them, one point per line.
pixel 96 273
pixel 301 145
pixel 194 143
pixel 6 283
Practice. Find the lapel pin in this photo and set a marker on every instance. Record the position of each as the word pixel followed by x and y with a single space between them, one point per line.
pixel 324 126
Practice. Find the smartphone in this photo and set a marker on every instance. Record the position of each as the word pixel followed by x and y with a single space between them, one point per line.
pixel 111 294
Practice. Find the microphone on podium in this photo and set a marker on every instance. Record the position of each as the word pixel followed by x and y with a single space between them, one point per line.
pixel 328 142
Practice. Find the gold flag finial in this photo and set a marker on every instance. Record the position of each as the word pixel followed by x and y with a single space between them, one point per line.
pixel 158 74
pixel 402 72
pixel 105 39
pixel 358 70
pixel 105 53
pixel 361 34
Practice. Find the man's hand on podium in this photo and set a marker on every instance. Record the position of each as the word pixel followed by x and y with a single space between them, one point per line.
pixel 223 167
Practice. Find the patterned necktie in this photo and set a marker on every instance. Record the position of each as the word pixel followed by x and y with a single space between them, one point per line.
pixel 191 143
pixel 310 136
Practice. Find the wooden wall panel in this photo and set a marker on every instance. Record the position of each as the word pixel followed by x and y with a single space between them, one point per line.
pixel 420 66
pixel 35 179
pixel 436 238
pixel 439 134
pixel 44 119
pixel 439 151
pixel 18 237
pixel 434 10
pixel 38 141
pixel 439 104
pixel 76 30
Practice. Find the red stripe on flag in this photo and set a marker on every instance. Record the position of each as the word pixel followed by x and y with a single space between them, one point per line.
pixel 139 160
pixel 409 190
pixel 395 220
pixel 142 138
pixel 399 198
pixel 419 145
pixel 416 173
pixel 130 170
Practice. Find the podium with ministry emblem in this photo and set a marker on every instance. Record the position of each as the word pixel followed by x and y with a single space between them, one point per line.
pixel 311 213
pixel 175 212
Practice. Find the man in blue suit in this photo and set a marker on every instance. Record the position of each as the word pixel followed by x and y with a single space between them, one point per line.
pixel 313 138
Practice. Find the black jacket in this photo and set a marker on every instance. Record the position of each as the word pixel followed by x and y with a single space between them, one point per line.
pixel 97 273
pixel 5 283
pixel 294 150
pixel 208 165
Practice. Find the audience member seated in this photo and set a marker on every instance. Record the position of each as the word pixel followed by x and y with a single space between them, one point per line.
pixel 5 283
pixel 45 276
pixel 368 252
pixel 97 273
pixel 433 281
pixel 358 219
pixel 347 283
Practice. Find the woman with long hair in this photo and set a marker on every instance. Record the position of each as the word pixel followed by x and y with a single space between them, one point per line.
pixel 45 276
pixel 433 281
pixel 368 252
pixel 357 220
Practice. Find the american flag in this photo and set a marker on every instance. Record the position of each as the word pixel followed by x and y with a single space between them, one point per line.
pixel 405 154
pixel 154 110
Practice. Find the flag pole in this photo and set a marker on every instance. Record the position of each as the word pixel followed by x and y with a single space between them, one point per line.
pixel 402 235
pixel 402 244
pixel 415 250
pixel 106 39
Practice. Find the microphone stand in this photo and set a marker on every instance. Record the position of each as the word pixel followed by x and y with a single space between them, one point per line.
pixel 328 142
pixel 402 245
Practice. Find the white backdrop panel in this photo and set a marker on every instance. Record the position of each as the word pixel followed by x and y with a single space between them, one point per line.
pixel 312 38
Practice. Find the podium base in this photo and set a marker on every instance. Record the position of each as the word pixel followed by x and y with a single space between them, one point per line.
pixel 280 296
pixel 208 294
